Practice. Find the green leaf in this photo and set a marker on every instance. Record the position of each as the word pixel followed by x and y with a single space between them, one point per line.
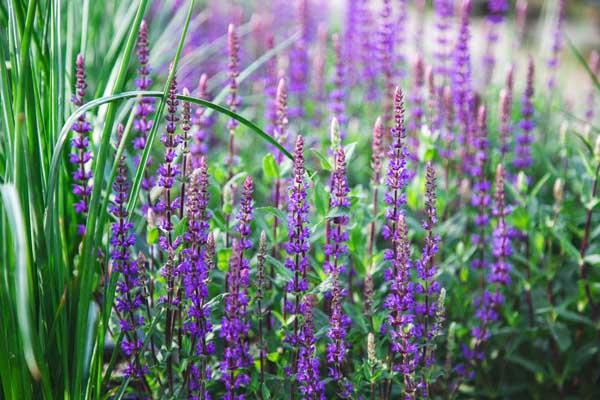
pixel 270 167
pixel 561 334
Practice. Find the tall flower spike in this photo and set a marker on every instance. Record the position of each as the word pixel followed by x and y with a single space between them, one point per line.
pixel 461 85
pixel 501 244
pixel 281 122
pixel 319 64
pixel 80 157
pixel 270 90
pixel 444 11
pixel 186 125
pixel 235 326
pixel 506 98
pixel 398 173
pixel 428 288
pixel 522 158
pixel 591 100
pixel 521 19
pixel 386 50
pixel 336 251
pixel 245 214
pixel 416 99
pixel 368 49
pixel 233 100
pixel 129 294
pixel 196 275
pixel 496 12
pixel 557 43
pixel 299 62
pixel 480 199
pixel 338 94
pixel 298 242
pixel 145 107
pixel 201 125
pixel 399 38
pixel 400 303
pixel 311 386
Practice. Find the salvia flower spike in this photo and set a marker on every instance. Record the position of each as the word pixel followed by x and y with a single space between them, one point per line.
pixel 81 155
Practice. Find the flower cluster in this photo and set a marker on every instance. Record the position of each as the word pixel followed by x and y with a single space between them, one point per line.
pixel 82 188
pixel 338 94
pixel 523 142
pixel 201 124
pixel 480 198
pixel 311 385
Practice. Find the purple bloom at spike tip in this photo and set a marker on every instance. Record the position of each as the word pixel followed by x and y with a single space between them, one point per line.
pixel 351 42
pixel 368 48
pixel 336 251
pixel 311 386
pixel 557 43
pixel 195 270
pixel 399 38
pixel 501 249
pixel 416 100
pixel 235 326
pixel 129 299
pixel 338 94
pixel 81 156
pixel 202 125
pixel 523 158
pixel 281 122
pixel 428 288
pixel 398 173
pixel 233 46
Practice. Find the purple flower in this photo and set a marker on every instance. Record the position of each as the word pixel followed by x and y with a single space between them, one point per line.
pixel 195 270
pixel 501 241
pixel 480 198
pixel 496 12
pixel 235 326
pixel 386 50
pixel 244 218
pixel 377 151
pixel 368 49
pixel 506 100
pixel 281 122
pixel 461 85
pixel 270 82
pixel 416 99
pixel 427 288
pixel 201 125
pixel 591 100
pixel 299 64
pixel 80 157
pixel 336 252
pixel 338 94
pixel 233 46
pixel 444 12
pixel 142 123
pixel 398 173
pixel 311 386
pixel 523 142
pixel 129 298
pixel 557 43
pixel 400 38
pixel 400 303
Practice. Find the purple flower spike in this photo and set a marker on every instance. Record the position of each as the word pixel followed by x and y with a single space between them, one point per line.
pixel 461 85
pixel 496 12
pixel 336 252
pixel 386 50
pixel 311 386
pixel 281 122
pixel 299 62
pixel 129 298
pixel 270 82
pixel 298 242
pixel 557 43
pixel 428 288
pixel 506 101
pixel 201 125
pixel 235 326
pixel 523 143
pixel 368 49
pixel 591 100
pixel 195 269
pixel 501 244
pixel 416 99
pixel 444 12
pixel 81 156
pixel 245 216
pixel 145 107
pixel 233 100
pixel 338 94
pixel 400 303
pixel 398 173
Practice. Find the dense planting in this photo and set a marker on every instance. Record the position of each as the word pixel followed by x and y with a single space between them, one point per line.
pixel 297 200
